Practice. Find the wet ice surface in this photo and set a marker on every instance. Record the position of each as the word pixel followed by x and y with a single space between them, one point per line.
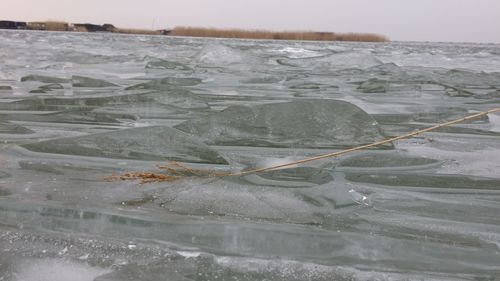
pixel 75 108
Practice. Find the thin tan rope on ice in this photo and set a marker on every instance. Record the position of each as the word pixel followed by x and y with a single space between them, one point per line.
pixel 361 147
pixel 174 171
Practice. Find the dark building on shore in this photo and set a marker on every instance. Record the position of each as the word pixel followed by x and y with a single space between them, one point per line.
pixel 164 31
pixel 109 27
pixel 37 25
pixel 5 24
pixel 88 27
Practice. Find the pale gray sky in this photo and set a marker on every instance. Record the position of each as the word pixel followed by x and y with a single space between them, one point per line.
pixel 408 20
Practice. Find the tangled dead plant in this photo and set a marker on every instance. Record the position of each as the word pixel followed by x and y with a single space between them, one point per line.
pixel 172 171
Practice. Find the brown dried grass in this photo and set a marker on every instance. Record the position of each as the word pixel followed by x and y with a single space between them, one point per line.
pixel 56 26
pixel 172 171
pixel 273 35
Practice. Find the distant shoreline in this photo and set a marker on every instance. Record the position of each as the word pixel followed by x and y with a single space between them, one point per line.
pixel 196 32
pixel 276 35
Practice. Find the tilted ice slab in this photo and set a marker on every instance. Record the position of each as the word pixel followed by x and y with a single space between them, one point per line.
pixel 301 123
pixel 342 60
pixel 148 143
pixel 76 81
pixel 9 128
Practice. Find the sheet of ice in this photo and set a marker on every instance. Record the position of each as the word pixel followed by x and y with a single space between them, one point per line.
pixel 425 209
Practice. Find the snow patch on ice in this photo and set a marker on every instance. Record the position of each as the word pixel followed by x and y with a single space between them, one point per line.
pixel 297 53
pixel 57 270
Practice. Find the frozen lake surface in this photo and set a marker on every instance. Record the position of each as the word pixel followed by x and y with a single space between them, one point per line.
pixel 75 108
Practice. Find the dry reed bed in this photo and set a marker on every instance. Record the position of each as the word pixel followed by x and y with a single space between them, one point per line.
pixel 272 35
pixel 56 25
